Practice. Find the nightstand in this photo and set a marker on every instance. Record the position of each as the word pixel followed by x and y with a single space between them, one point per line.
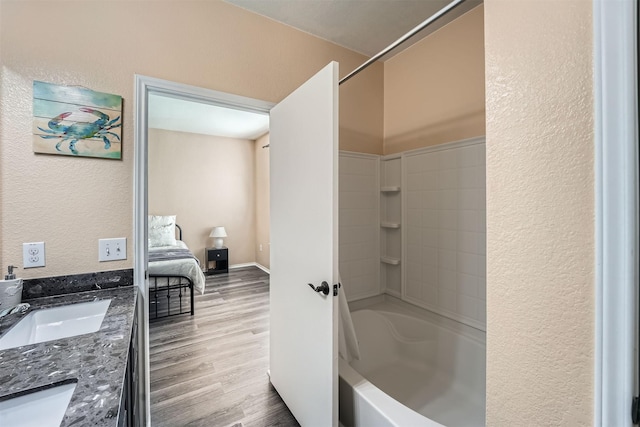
pixel 220 257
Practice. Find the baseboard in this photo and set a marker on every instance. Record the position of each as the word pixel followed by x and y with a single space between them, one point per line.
pixel 249 264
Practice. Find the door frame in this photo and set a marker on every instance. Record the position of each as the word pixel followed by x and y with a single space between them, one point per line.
pixel 616 209
pixel 143 86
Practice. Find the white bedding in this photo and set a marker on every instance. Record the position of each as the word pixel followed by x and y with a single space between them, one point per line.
pixel 185 267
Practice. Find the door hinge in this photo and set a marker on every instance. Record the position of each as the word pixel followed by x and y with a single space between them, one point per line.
pixel 635 410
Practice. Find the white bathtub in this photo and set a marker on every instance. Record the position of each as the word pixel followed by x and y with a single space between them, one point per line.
pixel 411 373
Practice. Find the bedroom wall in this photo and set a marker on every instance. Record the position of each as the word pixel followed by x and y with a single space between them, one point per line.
pixel 263 248
pixel 434 90
pixel 211 182
pixel 70 203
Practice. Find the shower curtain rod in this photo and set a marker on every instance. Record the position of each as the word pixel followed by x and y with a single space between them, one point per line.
pixel 402 39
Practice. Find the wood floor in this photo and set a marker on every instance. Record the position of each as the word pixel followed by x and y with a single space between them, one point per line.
pixel 210 369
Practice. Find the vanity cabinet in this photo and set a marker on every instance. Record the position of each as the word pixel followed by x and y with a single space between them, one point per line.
pixel 129 408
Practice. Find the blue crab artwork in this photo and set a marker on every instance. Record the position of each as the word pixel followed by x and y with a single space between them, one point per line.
pixel 76 121
pixel 81 130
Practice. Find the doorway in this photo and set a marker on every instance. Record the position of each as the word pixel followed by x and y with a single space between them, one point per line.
pixel 144 87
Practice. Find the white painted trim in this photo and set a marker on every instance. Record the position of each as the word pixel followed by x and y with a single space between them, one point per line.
pixel 263 268
pixel 143 87
pixel 358 155
pixel 446 146
pixel 616 178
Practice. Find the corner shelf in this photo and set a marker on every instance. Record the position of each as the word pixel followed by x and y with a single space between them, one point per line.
pixel 390 260
pixel 387 224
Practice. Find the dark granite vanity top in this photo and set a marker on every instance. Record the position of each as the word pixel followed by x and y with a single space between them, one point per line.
pixel 97 361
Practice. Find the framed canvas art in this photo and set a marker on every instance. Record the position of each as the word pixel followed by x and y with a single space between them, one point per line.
pixel 76 121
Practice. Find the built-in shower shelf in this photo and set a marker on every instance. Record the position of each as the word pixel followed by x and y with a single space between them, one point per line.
pixel 386 224
pixel 390 260
pixel 390 189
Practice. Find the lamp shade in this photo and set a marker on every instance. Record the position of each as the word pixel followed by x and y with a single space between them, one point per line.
pixel 218 233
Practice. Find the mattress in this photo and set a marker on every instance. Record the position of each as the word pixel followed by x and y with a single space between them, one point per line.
pixel 188 267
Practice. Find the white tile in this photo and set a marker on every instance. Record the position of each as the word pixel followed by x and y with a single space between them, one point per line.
pixel 430 218
pixel 414 254
pixel 448 219
pixel 447 279
pixel 468 306
pixel 430 294
pixel 482 266
pixel 468 220
pixel 468 285
pixel 430 237
pixel 414 199
pixel 482 288
pixel 431 180
pixel 468 241
pixel 414 272
pixel 429 256
pixel 448 159
pixel 447 259
pixel 414 289
pixel 468 263
pixel 448 179
pixel 469 198
pixel 414 164
pixel 415 181
pixel 447 239
pixel 431 162
pixel 448 199
pixel 447 299
pixel 430 199
pixel 468 156
pixel 414 236
pixel 467 177
pixel 430 275
pixel 482 244
pixel 482 221
pixel 482 313
pixel 414 218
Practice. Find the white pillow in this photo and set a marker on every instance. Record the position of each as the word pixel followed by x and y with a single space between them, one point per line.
pixel 162 230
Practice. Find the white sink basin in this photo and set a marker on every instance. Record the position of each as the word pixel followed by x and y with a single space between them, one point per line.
pixel 41 408
pixel 55 323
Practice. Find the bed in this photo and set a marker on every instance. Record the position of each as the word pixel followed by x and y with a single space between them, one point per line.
pixel 174 272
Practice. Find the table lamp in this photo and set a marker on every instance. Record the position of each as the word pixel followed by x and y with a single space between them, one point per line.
pixel 218 233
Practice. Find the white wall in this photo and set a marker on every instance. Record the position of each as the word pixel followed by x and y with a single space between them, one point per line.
pixel 359 225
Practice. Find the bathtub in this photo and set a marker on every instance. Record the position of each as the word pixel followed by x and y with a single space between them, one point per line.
pixel 412 372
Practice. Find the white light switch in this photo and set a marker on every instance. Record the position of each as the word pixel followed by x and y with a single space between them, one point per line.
pixel 33 254
pixel 112 249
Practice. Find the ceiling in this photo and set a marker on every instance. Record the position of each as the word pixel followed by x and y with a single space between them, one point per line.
pixel 364 26
pixel 175 114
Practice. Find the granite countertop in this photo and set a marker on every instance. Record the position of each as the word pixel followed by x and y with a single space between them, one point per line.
pixel 97 361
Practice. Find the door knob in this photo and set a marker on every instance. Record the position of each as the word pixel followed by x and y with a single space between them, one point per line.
pixel 324 288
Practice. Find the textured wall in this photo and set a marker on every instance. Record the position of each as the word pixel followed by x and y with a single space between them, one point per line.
pixel 205 181
pixel 434 91
pixel 540 213
pixel 72 202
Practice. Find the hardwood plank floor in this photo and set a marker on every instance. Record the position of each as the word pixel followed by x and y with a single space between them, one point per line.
pixel 210 369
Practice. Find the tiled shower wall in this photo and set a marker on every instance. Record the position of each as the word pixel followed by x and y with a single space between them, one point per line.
pixel 445 235
pixel 359 225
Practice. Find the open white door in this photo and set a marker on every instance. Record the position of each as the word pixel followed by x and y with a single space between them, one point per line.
pixel 304 249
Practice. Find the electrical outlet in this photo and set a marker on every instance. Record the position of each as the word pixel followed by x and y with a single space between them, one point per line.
pixel 33 254
pixel 112 249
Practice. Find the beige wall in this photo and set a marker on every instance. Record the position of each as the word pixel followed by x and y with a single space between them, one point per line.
pixel 434 90
pixel 540 213
pixel 262 202
pixel 206 181
pixel 70 203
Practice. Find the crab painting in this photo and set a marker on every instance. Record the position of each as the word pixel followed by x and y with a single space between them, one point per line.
pixel 76 121
pixel 77 130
